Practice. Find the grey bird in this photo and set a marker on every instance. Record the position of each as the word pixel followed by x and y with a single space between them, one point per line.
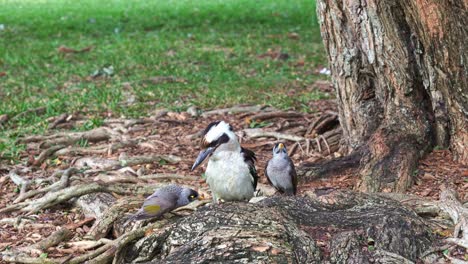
pixel 230 172
pixel 164 200
pixel 280 171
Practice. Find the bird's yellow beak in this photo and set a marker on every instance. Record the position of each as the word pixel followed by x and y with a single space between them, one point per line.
pixel 281 146
pixel 201 197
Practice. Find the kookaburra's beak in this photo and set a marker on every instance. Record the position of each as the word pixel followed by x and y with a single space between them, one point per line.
pixel 202 156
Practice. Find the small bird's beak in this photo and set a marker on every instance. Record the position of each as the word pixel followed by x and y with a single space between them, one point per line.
pixel 201 197
pixel 281 146
pixel 202 156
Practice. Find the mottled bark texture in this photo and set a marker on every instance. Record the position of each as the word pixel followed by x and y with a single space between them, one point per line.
pixel 340 227
pixel 399 70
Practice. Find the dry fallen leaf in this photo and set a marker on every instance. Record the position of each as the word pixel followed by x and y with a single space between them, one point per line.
pixel 261 248
pixel 65 50
pixel 275 251
pixel 293 35
pixel 428 176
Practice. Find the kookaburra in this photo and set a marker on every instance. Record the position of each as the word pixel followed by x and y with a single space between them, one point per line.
pixel 231 172
pixel 280 171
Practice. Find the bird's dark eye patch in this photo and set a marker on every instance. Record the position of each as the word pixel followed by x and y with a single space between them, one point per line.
pixel 221 140
pixel 193 195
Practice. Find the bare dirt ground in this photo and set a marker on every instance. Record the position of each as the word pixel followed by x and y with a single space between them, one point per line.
pixel 114 154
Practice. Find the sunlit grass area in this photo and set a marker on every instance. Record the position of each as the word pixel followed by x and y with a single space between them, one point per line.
pixel 153 54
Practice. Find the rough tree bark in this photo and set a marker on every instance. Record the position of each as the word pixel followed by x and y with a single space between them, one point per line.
pixel 340 227
pixel 399 71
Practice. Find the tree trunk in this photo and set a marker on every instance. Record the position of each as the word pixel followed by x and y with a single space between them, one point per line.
pixel 399 71
pixel 339 227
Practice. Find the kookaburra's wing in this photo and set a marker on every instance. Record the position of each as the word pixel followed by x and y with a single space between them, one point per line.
pixel 249 158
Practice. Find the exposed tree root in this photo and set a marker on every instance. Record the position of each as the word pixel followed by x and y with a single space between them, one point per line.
pixel 45 154
pixel 59 120
pixel 54 198
pixel 168 176
pixel 103 225
pixel 258 132
pixel 423 207
pixel 22 222
pixel 131 236
pixel 62 183
pixel 63 195
pixel 54 239
pixel 84 245
pixel 116 177
pixel 325 144
pixel 237 109
pixel 21 182
pixel 106 149
pixel 3 119
pixel 94 205
pixel 109 164
pixel 459 215
pixel 322 124
pixel 270 115
pixel 95 135
pixel 137 160
pixel 313 171
pixel 36 111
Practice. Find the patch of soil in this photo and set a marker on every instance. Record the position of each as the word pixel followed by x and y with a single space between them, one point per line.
pixel 176 134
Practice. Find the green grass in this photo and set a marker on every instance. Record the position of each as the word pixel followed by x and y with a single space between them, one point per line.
pixel 210 46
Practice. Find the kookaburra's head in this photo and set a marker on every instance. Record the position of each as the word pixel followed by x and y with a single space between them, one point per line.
pixel 217 136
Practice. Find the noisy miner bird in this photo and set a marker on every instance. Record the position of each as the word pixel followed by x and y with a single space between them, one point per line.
pixel 164 200
pixel 280 171
pixel 231 172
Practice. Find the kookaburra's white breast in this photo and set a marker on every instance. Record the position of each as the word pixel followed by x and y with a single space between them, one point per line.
pixel 229 176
